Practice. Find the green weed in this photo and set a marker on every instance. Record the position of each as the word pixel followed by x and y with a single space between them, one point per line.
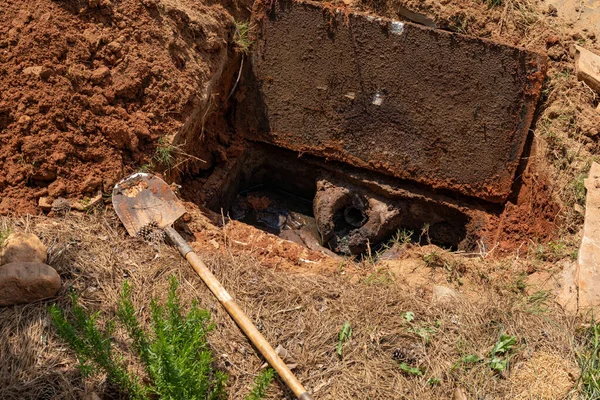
pixel 538 302
pixel 261 383
pixel 588 357
pixel 579 190
pixel 552 251
pixel 409 316
pixel 242 37
pixel 380 277
pixel 343 337
pixel 407 369
pixel 164 154
pixel 501 353
pixel 433 260
pixel 175 353
pixel 466 361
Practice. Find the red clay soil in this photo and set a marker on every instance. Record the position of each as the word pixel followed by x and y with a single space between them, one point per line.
pixel 87 88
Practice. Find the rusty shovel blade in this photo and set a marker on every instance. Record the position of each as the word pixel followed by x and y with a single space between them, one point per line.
pixel 144 200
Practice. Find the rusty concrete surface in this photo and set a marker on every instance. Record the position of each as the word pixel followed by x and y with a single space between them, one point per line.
pixel 441 109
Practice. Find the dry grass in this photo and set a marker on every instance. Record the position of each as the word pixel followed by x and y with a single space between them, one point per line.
pixel 300 310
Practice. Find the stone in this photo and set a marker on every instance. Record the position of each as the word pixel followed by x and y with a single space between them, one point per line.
pixel 459 394
pixel 23 247
pixel 44 203
pixel 100 74
pixel 26 282
pixel 552 40
pixel 57 188
pixel 587 65
pixel 39 71
pixel 91 183
pixel 587 275
pixel 444 295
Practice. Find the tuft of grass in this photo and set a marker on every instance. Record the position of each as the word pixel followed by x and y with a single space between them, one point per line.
pixel 588 358
pixel 241 37
pixel 579 190
pixel 164 154
pixel 175 353
pixel 433 260
pixel 493 3
pixel 261 383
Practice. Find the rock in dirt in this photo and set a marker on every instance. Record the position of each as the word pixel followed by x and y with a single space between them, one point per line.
pixel 44 203
pixel 588 261
pixel 587 65
pixel 25 282
pixel 22 247
pixel 99 75
pixel 444 295
pixel 39 71
pixel 459 394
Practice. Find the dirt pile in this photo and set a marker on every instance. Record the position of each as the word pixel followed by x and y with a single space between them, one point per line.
pixel 87 89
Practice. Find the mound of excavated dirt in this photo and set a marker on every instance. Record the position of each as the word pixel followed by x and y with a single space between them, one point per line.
pixel 87 89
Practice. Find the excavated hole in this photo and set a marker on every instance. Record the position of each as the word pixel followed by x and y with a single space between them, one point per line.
pixel 276 190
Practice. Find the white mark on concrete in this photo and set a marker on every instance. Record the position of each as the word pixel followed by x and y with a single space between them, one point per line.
pixel 396 27
pixel 378 99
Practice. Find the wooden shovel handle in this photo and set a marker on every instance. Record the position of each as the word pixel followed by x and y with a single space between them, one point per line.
pixel 240 318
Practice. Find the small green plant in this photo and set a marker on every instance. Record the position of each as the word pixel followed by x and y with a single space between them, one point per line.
pixel 520 284
pixel 433 260
pixel 147 168
pixel 588 357
pixel 409 316
pixel 434 381
pixel 242 37
pixel 501 353
pixel 424 332
pixel 579 190
pixel 466 361
pixel 381 276
pixel 408 370
pixel 176 355
pixel 164 154
pixel 261 383
pixel 343 337
pixel 93 347
pixel 537 303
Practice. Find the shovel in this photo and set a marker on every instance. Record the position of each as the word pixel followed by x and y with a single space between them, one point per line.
pixel 145 204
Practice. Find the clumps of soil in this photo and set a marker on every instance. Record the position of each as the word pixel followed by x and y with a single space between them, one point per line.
pixel 88 88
